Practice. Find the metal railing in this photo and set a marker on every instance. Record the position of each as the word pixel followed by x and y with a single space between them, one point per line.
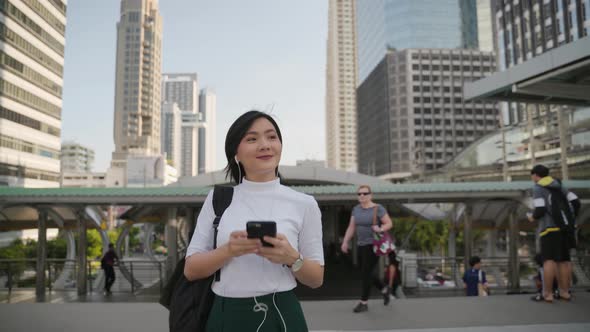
pixel 447 272
pixel 63 273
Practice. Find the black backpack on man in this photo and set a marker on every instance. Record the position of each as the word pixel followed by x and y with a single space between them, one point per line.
pixel 190 302
pixel 562 214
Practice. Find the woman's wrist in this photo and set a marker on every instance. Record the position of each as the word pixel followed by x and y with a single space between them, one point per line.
pixel 225 252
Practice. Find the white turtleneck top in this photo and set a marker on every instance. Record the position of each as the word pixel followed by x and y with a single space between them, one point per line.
pixel 298 217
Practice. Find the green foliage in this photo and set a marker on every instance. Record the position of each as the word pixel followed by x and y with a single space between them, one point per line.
pixel 57 248
pixel 134 242
pixel 93 244
pixel 427 236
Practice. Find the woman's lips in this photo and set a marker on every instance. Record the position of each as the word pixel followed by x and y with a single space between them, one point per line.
pixel 264 157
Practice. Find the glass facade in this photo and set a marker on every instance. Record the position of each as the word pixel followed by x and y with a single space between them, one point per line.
pixel 402 24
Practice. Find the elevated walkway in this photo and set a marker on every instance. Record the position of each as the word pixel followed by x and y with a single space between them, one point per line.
pixel 514 313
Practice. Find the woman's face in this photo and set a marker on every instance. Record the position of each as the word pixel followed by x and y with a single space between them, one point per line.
pixel 364 194
pixel 260 150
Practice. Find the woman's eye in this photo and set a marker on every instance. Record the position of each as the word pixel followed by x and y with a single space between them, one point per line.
pixel 273 137
pixel 250 139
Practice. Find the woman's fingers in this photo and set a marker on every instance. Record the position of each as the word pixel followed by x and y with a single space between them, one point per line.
pixel 238 234
pixel 279 250
pixel 239 244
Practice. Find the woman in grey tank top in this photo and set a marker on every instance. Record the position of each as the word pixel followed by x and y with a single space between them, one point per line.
pixel 361 223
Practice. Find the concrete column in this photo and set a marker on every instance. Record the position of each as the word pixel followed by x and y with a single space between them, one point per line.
pixel 513 261
pixel 467 235
pixel 81 278
pixel 530 128
pixel 41 255
pixel 452 249
pixel 171 240
pixel 563 142
pixel 491 247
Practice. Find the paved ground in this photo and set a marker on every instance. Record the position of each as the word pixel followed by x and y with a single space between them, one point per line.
pixel 513 313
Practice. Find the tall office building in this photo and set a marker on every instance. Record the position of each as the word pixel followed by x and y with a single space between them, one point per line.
pixel 207 132
pixel 530 28
pixel 32 40
pixel 527 29
pixel 171 133
pixel 401 24
pixel 485 26
pixel 138 76
pixel 76 157
pixel 341 73
pixel 411 114
pixel 182 89
pixel 198 121
pixel 189 154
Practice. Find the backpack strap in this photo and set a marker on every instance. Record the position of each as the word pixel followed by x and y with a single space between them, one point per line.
pixel 222 197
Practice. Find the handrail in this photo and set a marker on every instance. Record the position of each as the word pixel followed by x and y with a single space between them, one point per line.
pixel 54 265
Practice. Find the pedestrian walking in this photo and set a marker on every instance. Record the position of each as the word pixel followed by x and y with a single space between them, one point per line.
pixel 362 223
pixel 107 263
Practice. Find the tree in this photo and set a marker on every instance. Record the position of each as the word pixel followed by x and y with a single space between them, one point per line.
pixel 427 236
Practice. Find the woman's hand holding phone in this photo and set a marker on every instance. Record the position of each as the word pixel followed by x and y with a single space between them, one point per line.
pixel 239 244
pixel 281 253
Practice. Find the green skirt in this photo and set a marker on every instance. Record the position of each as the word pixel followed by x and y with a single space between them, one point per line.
pixel 243 315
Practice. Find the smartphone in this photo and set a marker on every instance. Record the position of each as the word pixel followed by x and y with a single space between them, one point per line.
pixel 258 229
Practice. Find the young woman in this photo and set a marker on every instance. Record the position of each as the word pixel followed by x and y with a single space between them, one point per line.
pixel 255 289
pixel 361 222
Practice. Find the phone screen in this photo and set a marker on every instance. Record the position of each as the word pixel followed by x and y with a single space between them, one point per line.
pixel 259 229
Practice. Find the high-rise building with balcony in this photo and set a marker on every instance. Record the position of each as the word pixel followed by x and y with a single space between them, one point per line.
pixel 32 41
pixel 76 157
pixel 341 73
pixel 138 75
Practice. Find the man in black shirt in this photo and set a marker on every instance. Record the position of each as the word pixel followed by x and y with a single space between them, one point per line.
pixel 107 263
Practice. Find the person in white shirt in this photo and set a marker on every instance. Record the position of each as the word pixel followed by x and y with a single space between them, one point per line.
pixel 254 292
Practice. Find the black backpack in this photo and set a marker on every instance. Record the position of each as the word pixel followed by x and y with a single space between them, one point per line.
pixel 190 302
pixel 562 214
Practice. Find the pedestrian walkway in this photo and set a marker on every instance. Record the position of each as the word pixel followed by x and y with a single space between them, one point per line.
pixel 510 313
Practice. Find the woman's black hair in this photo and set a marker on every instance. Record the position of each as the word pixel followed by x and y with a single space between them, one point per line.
pixel 234 136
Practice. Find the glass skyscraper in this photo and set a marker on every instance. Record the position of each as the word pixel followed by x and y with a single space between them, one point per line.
pixel 402 24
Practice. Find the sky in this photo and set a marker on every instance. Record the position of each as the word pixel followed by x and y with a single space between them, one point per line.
pixel 264 54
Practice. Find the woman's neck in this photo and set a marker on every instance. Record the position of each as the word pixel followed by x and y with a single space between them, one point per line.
pixel 367 204
pixel 261 177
